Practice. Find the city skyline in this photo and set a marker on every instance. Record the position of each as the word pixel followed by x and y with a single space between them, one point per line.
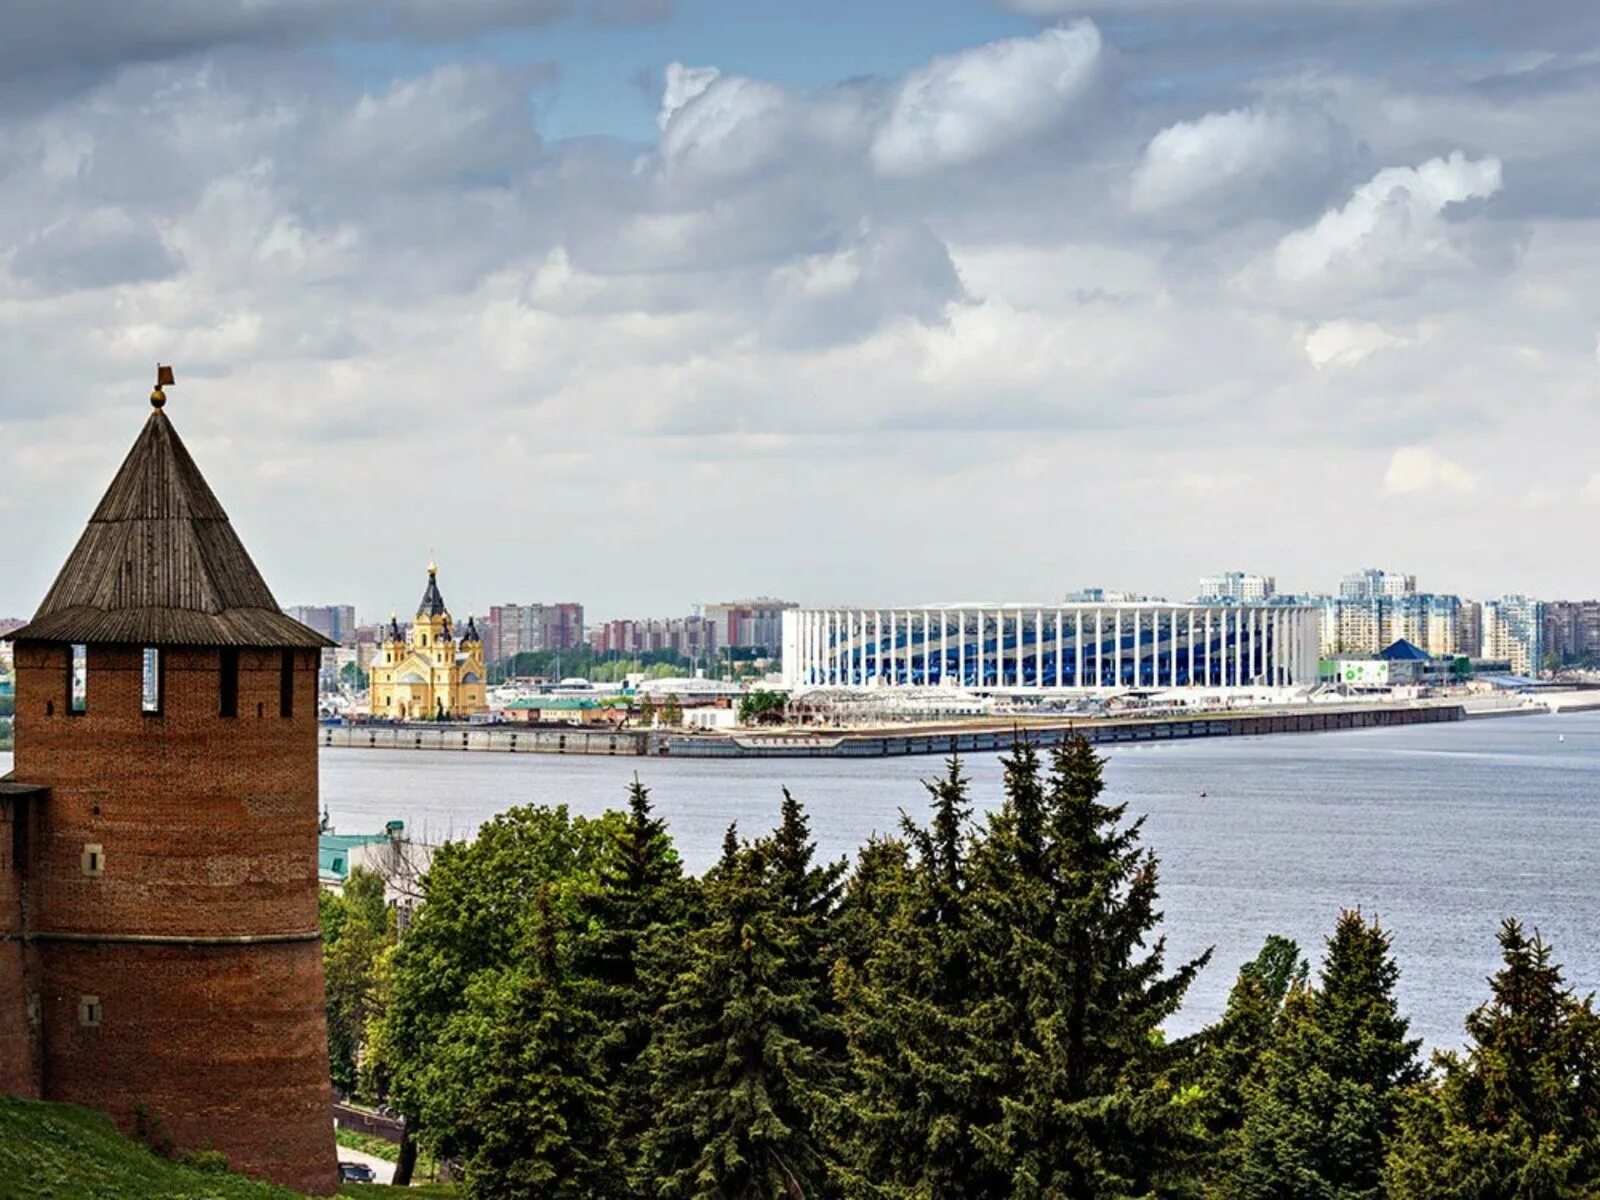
pixel 846 301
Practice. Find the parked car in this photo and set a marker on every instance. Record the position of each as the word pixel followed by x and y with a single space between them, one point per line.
pixel 356 1172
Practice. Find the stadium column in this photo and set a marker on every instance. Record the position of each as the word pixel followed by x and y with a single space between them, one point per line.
pixel 961 646
pixel 944 643
pixel 1077 631
pixel 1060 649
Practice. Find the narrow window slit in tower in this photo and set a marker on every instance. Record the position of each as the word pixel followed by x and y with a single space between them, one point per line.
pixel 150 686
pixel 286 685
pixel 228 683
pixel 78 680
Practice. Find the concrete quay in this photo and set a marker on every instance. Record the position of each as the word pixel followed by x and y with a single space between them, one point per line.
pixel 962 737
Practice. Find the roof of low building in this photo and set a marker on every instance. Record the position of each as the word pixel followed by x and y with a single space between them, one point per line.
pixel 1403 651
pixel 160 565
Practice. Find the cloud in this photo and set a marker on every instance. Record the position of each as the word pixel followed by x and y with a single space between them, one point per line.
pixel 1270 155
pixel 730 126
pixel 99 248
pixel 1414 469
pixel 1336 344
pixel 682 85
pixel 967 106
pixel 1392 229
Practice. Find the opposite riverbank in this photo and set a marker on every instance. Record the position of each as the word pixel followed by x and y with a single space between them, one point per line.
pixel 961 737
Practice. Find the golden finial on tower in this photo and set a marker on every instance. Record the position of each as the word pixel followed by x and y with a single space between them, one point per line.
pixel 164 379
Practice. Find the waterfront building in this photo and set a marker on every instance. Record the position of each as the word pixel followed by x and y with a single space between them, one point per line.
pixel 687 637
pixel 1237 587
pixel 1094 595
pixel 1470 640
pixel 513 629
pixel 1361 626
pixel 336 622
pixel 1513 630
pixel 748 624
pixel 428 673
pixel 159 951
pixel 1572 630
pixel 1373 584
pixel 1028 647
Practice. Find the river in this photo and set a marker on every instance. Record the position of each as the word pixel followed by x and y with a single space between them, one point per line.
pixel 1440 830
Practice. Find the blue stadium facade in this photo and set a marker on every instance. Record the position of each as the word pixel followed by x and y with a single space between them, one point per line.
pixel 1026 647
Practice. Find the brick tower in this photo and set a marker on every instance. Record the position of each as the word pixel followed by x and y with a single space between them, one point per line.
pixel 159 952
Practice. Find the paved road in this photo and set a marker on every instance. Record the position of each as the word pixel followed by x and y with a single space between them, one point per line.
pixel 382 1168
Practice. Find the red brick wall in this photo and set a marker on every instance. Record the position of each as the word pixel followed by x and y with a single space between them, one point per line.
pixel 208 828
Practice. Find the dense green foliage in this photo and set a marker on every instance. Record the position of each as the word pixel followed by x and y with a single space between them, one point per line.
pixel 358 928
pixel 1518 1114
pixel 974 1010
pixel 762 707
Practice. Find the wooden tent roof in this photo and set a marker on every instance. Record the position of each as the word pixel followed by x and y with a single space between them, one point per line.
pixel 160 565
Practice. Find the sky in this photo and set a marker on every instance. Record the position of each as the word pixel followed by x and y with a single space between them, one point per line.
pixel 650 303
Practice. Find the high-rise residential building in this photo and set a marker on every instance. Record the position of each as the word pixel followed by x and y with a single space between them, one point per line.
pixel 1513 630
pixel 1572 630
pixel 1365 625
pixel 336 622
pixel 689 637
pixel 1373 584
pixel 1471 638
pixel 749 624
pixel 513 629
pixel 1237 587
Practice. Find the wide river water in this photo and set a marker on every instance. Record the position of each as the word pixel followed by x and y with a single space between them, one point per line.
pixel 1440 830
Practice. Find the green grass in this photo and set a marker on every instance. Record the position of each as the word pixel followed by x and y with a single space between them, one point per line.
pixel 368 1144
pixel 63 1152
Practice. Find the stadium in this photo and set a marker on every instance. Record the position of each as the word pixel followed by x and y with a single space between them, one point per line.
pixel 1037 648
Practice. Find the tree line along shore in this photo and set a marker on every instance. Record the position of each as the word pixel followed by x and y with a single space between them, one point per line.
pixel 972 1008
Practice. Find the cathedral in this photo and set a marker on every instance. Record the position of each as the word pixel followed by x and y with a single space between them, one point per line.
pixel 432 675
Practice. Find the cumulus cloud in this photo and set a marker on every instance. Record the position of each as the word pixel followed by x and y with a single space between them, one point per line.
pixel 730 126
pixel 1275 154
pixel 1414 469
pixel 966 106
pixel 1336 344
pixel 682 84
pixel 1392 229
pixel 99 248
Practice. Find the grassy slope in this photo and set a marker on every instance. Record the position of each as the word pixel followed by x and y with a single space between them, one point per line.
pixel 62 1152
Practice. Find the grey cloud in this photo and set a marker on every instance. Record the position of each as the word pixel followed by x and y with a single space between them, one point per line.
pixel 92 250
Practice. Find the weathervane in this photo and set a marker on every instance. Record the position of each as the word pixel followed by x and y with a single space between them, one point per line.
pixel 164 378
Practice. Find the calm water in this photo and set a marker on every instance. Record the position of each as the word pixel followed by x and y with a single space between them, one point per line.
pixel 1440 830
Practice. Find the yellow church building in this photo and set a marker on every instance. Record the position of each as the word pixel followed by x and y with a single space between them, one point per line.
pixel 432 675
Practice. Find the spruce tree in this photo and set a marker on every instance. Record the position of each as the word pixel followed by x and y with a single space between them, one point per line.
pixel 541 1125
pixel 1231 1054
pixel 1517 1115
pixel 916 1097
pixel 1316 1127
pixel 1076 990
pixel 739 1081
pixel 637 907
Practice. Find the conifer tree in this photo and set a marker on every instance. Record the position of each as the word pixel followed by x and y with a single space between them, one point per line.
pixel 1076 990
pixel 542 1126
pixel 1231 1054
pixel 916 1095
pixel 1517 1115
pixel 739 1081
pixel 1316 1127
pixel 638 906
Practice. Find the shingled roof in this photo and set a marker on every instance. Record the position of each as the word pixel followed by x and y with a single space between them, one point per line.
pixel 160 565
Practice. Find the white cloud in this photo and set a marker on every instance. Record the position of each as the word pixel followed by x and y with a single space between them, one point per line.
pixel 1392 227
pixel 1591 489
pixel 966 106
pixel 1414 469
pixel 682 85
pixel 731 126
pixel 1541 496
pixel 1345 343
pixel 1224 154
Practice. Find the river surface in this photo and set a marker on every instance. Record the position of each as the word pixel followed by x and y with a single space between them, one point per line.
pixel 1440 830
